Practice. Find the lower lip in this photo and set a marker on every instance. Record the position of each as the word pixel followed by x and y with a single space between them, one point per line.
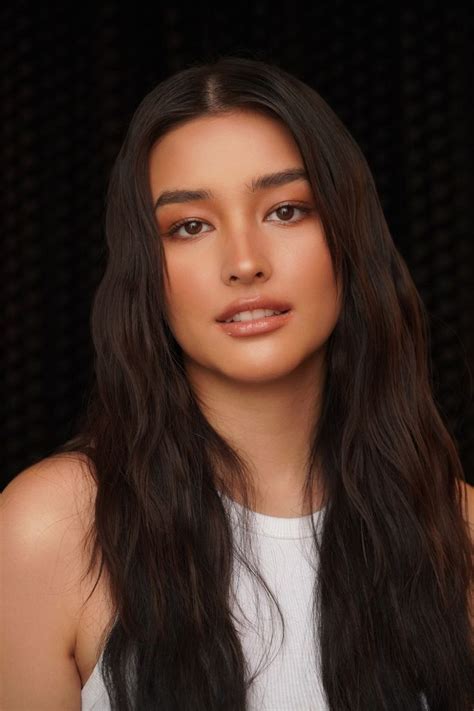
pixel 256 326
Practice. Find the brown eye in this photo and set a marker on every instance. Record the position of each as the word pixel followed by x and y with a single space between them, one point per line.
pixel 191 226
pixel 184 224
pixel 284 210
pixel 194 227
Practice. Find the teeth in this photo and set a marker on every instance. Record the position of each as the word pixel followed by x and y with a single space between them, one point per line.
pixel 250 315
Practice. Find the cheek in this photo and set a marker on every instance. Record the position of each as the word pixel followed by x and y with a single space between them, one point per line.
pixel 318 286
pixel 187 291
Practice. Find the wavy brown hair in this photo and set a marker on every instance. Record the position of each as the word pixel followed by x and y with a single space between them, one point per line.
pixel 391 593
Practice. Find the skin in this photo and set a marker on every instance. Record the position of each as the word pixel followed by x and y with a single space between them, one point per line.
pixel 263 391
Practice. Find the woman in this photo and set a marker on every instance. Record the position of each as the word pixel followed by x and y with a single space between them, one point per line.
pixel 301 450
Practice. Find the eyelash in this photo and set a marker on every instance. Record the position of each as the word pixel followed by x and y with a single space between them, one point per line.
pixel 174 228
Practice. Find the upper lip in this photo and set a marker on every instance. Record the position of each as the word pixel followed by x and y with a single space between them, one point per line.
pixel 251 304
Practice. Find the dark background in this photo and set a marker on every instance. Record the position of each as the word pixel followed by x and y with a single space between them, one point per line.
pixel 71 78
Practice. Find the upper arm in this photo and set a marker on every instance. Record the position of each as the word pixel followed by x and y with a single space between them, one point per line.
pixel 40 555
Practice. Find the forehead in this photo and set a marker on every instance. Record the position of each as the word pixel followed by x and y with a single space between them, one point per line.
pixel 222 151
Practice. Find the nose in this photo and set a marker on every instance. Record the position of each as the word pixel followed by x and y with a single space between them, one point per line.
pixel 245 260
pixel 246 276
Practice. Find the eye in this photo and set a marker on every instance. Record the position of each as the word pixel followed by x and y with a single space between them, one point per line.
pixel 291 207
pixel 185 223
pixel 283 209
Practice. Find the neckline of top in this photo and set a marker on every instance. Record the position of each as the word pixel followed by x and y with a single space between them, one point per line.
pixel 275 526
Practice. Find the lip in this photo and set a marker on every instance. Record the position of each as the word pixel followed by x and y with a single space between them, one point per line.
pixel 255 326
pixel 252 304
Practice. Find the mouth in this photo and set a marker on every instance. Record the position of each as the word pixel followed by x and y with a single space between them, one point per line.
pixel 258 318
pixel 255 326
pixel 249 305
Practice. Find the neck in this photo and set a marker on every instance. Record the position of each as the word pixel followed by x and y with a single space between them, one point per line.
pixel 270 423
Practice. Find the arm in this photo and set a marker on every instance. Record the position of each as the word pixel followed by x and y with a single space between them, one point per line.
pixel 39 545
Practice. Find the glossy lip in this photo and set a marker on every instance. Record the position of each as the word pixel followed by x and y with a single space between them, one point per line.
pixel 252 304
pixel 255 326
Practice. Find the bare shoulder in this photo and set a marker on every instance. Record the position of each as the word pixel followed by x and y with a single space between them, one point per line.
pixel 61 480
pixel 45 513
pixel 50 505
pixel 470 503
pixel 467 505
pixel 467 499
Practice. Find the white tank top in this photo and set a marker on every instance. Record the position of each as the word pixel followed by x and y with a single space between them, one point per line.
pixel 291 679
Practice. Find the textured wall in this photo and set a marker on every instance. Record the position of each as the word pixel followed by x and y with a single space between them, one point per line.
pixel 71 78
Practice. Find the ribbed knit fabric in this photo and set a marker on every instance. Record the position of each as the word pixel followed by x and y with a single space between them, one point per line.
pixel 289 681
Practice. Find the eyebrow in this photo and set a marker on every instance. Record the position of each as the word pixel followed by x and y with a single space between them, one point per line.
pixel 261 182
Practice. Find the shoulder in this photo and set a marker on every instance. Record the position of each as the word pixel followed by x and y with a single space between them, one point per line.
pixel 46 511
pixel 48 506
pixel 467 503
pixel 470 503
pixel 61 481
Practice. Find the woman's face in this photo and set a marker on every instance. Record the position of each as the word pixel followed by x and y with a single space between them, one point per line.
pixel 241 244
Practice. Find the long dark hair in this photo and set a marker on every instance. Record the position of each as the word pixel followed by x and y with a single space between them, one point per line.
pixel 390 605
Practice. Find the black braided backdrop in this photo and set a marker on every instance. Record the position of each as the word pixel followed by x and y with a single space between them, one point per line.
pixel 71 77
